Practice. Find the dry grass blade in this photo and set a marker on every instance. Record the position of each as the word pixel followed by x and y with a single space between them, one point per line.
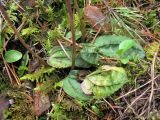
pixel 136 99
pixel 64 49
pixel 152 80
pixel 136 89
pixel 110 105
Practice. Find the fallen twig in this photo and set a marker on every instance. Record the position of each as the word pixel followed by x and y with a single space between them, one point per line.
pixel 152 79
pixel 136 88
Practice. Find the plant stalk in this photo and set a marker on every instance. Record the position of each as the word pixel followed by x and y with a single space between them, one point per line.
pixel 68 3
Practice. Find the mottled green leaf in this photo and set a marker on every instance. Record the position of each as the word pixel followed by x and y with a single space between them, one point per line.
pixel 119 47
pixel 81 62
pixel 104 81
pixel 59 58
pixel 72 87
pixel 109 40
pixel 12 56
pixel 89 53
pixel 63 59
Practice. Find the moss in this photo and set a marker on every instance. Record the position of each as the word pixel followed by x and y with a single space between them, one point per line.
pixel 3 78
pixel 22 108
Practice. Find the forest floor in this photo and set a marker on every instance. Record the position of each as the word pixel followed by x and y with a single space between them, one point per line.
pixel 80 60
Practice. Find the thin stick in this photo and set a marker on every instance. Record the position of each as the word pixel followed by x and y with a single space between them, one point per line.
pixel 136 89
pixel 9 75
pixel 130 107
pixel 96 34
pixel 110 105
pixel 4 14
pixel 68 3
pixel 152 79
pixel 68 40
pixel 136 99
pixel 9 72
pixel 64 49
pixel 14 75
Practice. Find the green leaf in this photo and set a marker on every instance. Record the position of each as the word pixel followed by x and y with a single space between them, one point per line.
pixel 126 45
pixel 59 58
pixel 23 65
pixel 12 56
pixel 124 60
pixel 108 45
pixel 104 81
pixel 63 59
pixel 72 87
pixel 119 47
pixel 109 40
pixel 78 35
pixel 81 62
pixel 89 54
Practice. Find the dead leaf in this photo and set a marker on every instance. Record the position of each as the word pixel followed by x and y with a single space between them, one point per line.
pixel 108 117
pixel 41 102
pixel 82 74
pixel 97 19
